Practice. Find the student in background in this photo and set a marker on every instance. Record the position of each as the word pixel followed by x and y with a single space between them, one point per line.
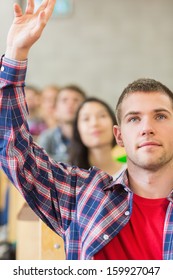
pixel 93 137
pixel 35 122
pixel 56 140
pixel 47 109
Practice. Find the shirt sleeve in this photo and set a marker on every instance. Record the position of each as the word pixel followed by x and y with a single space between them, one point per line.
pixel 50 188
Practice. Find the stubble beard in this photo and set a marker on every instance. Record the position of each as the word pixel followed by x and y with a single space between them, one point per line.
pixel 151 165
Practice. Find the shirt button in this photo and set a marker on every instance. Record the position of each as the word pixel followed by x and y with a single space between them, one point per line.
pixel 2 68
pixel 127 213
pixel 105 237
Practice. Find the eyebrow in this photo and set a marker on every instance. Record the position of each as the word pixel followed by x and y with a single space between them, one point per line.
pixel 158 110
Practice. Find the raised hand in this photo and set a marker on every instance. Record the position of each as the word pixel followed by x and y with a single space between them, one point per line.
pixel 27 28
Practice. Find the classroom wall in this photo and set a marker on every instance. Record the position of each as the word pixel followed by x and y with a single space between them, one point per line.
pixel 102 45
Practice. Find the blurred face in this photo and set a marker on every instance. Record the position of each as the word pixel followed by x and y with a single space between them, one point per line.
pixel 49 96
pixel 32 99
pixel 146 130
pixel 95 125
pixel 67 104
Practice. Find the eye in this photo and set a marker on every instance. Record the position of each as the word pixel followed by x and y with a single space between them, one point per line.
pixel 161 117
pixel 64 100
pixel 85 119
pixel 103 115
pixel 133 119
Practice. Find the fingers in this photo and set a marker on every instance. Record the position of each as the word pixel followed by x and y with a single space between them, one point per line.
pixel 43 5
pixel 44 12
pixel 17 10
pixel 47 6
pixel 30 7
pixel 41 22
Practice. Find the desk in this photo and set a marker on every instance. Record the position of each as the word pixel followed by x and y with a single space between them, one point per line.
pixel 35 240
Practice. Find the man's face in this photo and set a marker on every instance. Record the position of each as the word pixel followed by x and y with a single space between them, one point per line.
pixel 67 104
pixel 146 129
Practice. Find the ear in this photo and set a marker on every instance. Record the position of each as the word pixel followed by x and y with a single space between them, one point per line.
pixel 118 136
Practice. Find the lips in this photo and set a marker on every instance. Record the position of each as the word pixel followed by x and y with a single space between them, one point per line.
pixel 95 133
pixel 149 143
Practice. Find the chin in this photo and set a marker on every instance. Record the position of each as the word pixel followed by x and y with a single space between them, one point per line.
pixel 151 166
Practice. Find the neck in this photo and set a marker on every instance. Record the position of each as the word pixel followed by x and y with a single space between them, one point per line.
pixel 101 157
pixel 67 129
pixel 151 184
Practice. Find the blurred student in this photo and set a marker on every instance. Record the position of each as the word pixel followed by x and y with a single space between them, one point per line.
pixel 93 137
pixel 56 140
pixel 35 122
pixel 47 110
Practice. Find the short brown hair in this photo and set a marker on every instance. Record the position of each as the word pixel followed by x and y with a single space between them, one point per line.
pixel 141 85
pixel 75 88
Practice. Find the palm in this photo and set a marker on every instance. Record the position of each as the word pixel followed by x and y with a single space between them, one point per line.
pixel 24 31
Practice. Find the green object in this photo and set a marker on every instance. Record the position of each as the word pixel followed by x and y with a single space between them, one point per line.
pixel 122 158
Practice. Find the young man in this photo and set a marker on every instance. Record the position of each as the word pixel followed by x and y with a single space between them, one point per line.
pixel 129 218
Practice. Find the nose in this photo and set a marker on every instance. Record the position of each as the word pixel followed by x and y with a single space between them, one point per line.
pixel 147 128
pixel 147 132
pixel 71 105
pixel 94 121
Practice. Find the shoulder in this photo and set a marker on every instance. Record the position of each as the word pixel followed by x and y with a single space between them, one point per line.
pixel 49 133
pixel 119 172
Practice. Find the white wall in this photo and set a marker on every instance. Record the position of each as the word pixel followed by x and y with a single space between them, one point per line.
pixel 6 16
pixel 102 46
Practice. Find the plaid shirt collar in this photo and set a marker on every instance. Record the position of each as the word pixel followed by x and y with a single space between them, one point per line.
pixel 123 180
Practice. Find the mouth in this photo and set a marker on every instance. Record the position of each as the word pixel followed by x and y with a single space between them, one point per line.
pixel 96 133
pixel 149 144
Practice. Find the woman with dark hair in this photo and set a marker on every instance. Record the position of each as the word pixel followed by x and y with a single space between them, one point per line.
pixel 93 138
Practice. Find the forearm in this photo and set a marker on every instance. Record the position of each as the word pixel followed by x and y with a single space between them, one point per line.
pixel 12 76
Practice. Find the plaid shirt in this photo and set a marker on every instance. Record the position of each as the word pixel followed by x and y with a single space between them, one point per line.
pixel 86 207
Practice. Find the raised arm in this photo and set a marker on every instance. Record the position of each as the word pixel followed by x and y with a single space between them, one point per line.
pixel 41 181
pixel 27 28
